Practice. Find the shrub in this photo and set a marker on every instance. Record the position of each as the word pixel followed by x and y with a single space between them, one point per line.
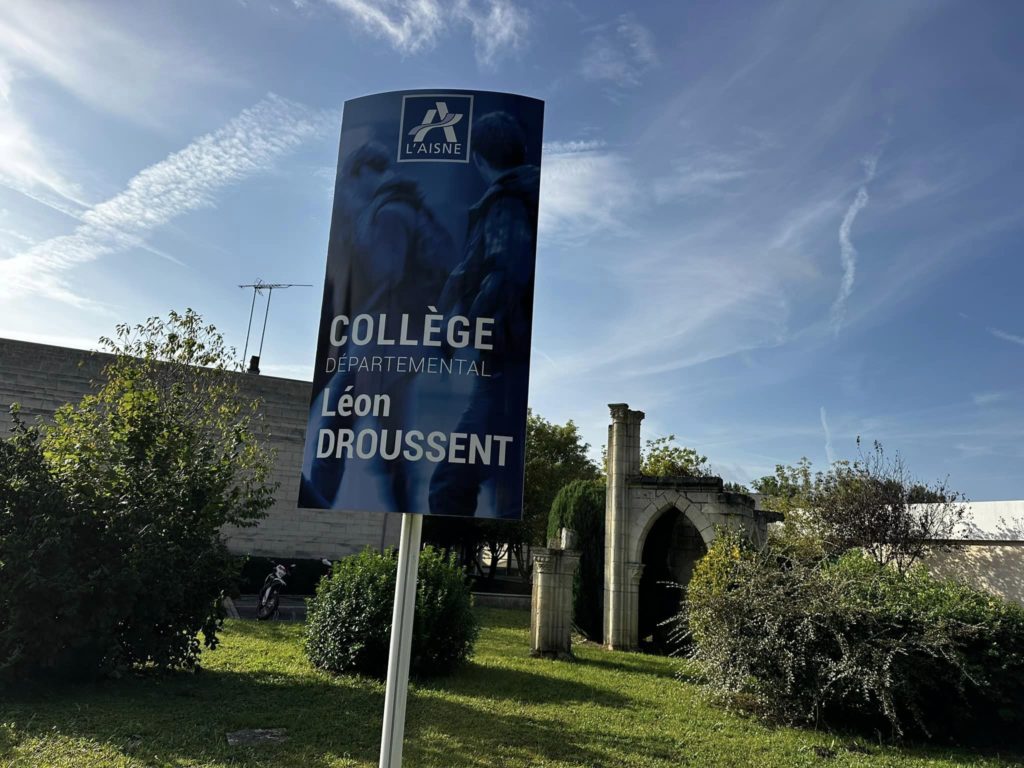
pixel 950 657
pixel 126 564
pixel 50 564
pixel 579 506
pixel 348 626
pixel 856 643
pixel 446 627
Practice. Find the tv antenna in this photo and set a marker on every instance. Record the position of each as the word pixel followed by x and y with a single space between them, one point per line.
pixel 257 290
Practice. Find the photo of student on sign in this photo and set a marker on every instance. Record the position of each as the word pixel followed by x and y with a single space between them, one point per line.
pixel 420 387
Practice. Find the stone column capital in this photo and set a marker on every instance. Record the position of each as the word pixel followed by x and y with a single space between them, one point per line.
pixel 620 411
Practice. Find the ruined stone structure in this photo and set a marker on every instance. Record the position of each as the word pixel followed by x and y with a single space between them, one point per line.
pixel 551 603
pixel 656 528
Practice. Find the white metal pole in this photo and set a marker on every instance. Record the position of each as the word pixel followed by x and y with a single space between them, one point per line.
pixel 401 642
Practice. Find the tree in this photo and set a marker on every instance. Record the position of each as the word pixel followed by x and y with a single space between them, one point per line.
pixel 155 463
pixel 872 503
pixel 555 456
pixel 663 457
pixel 788 492
pixel 580 507
pixel 875 504
pixel 788 489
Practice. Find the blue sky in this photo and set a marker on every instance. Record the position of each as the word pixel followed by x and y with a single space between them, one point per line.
pixel 771 226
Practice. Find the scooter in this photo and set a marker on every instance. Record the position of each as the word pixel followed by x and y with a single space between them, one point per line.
pixel 268 601
pixel 270 593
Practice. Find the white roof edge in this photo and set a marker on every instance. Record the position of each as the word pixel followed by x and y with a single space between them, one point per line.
pixel 986 520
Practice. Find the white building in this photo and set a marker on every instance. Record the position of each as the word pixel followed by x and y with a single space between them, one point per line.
pixel 992 556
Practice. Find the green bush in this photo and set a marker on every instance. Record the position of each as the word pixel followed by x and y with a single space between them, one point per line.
pixel 856 644
pixel 111 553
pixel 579 506
pixel 49 564
pixel 348 626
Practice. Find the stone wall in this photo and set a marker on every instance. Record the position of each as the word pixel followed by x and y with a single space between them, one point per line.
pixel 41 377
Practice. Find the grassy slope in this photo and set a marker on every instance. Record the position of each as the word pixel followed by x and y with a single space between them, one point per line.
pixel 504 709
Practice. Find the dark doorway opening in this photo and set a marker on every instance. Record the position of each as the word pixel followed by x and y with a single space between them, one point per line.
pixel 672 549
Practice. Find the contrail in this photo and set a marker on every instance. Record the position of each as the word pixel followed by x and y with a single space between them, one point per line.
pixel 1005 336
pixel 847 253
pixel 829 453
pixel 184 181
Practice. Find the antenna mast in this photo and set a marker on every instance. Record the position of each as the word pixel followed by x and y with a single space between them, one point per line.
pixel 257 289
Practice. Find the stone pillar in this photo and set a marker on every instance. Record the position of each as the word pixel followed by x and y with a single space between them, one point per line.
pixel 551 605
pixel 621 576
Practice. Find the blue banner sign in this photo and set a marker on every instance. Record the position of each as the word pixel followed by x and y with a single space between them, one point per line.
pixel 423 359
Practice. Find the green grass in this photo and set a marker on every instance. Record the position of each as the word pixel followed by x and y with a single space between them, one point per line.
pixel 504 709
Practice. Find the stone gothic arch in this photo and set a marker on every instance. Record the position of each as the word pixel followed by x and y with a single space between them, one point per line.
pixel 634 505
pixel 662 503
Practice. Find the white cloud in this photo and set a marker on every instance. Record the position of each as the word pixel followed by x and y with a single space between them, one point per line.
pixel 6 76
pixel 847 252
pixel 988 398
pixel 711 174
pixel 682 295
pixel 803 222
pixel 585 190
pixel 409 25
pixel 185 181
pixel 670 330
pixel 25 164
pixel 11 241
pixel 92 52
pixel 660 324
pixel 638 39
pixel 620 53
pixel 564 147
pixel 498 29
pixel 1005 336
pixel 412 26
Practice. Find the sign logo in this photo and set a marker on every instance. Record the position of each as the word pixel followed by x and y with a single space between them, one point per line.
pixel 446 121
pixel 435 127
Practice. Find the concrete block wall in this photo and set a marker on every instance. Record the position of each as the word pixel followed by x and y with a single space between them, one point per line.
pixel 41 378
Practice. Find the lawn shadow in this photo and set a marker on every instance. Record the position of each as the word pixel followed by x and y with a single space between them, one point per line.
pixel 444 733
pixel 638 664
pixel 185 718
pixel 528 712
pixel 476 680
pixel 863 739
